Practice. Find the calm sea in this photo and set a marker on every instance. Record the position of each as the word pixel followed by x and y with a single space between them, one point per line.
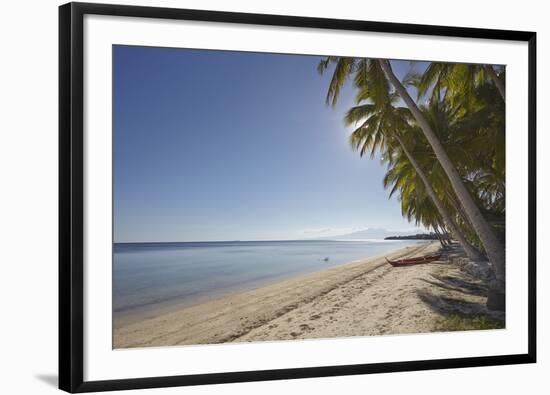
pixel 147 276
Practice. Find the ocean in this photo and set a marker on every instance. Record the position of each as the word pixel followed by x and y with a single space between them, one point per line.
pixel 148 276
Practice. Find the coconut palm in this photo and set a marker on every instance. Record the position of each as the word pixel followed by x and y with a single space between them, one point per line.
pixel 411 183
pixel 368 77
pixel 380 127
pixel 459 79
pixel 474 141
pixel 491 244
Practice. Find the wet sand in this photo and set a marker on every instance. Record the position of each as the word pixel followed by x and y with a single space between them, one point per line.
pixel 366 297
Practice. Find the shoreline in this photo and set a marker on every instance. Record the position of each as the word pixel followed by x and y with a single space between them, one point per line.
pixel 153 309
pixel 250 315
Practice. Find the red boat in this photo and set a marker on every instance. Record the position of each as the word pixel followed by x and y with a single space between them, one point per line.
pixel 414 261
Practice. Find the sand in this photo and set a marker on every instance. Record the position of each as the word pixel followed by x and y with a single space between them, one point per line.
pixel 362 298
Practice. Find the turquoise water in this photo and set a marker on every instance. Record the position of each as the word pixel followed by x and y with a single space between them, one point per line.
pixel 151 275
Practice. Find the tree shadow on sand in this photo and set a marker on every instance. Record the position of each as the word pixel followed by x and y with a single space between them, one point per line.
pixel 456 284
pixel 459 298
pixel 445 305
pixel 456 295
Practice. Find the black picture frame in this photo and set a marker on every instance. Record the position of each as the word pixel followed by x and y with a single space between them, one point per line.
pixel 71 175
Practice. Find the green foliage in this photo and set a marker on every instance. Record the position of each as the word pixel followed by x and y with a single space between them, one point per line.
pixel 465 110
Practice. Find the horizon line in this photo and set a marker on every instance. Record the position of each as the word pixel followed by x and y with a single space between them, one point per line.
pixel 328 238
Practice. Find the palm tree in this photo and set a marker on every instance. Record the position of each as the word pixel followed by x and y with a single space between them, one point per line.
pixel 450 223
pixel 380 127
pixel 491 243
pixel 496 80
pixel 459 79
pixel 371 76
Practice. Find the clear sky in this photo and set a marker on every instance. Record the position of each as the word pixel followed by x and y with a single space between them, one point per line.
pixel 217 145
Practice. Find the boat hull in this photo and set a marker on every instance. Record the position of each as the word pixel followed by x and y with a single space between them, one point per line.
pixel 414 261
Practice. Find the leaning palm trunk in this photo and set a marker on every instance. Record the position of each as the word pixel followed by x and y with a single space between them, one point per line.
pixel 462 215
pixel 493 247
pixel 496 80
pixel 444 232
pixel 438 235
pixel 460 211
pixel 451 225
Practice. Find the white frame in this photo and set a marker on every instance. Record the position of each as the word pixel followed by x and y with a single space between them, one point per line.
pixel 103 363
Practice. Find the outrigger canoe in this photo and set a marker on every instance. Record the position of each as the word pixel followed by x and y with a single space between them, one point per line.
pixel 414 261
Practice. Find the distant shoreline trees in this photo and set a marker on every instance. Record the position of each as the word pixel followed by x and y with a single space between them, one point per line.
pixel 419 236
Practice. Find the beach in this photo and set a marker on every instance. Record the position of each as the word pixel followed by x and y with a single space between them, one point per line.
pixel 362 298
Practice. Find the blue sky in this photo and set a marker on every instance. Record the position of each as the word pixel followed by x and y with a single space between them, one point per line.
pixel 217 145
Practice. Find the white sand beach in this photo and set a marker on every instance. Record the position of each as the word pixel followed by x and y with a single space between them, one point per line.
pixel 361 298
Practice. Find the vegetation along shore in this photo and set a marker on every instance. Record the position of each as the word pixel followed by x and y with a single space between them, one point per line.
pixel 444 149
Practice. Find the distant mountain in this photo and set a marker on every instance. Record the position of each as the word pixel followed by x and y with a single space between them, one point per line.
pixel 375 233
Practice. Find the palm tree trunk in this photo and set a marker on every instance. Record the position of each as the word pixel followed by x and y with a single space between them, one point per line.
pixel 442 232
pixel 438 235
pixel 494 77
pixel 479 254
pixel 460 212
pixel 457 234
pixel 456 205
pixel 493 247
